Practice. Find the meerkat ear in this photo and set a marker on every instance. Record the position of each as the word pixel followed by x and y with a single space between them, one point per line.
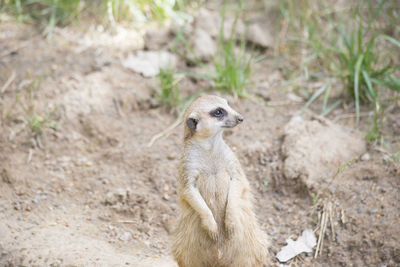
pixel 191 122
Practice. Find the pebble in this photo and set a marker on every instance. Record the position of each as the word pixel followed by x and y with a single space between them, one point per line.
pixel 365 157
pixel 373 211
pixel 120 193
pixel 277 206
pixel 125 236
pixel 110 199
pixel 203 45
pixel 259 36
pixel 271 233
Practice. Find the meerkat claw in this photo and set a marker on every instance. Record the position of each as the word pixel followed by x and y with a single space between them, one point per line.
pixel 213 236
pixel 211 228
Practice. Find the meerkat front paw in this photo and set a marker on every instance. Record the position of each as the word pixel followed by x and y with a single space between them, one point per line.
pixel 210 225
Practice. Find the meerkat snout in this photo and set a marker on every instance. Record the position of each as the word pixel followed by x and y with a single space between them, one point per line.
pixel 239 118
pixel 232 122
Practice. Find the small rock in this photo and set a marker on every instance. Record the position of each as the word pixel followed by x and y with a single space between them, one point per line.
pixel 145 228
pixel 120 194
pixel 149 63
pixel 125 236
pixel 271 233
pixel 171 156
pixel 157 39
pixel 239 29
pixel 110 199
pixel 166 187
pixel 386 158
pixel 332 189
pixel 294 98
pixel 208 21
pixel 17 205
pixel 6 177
pixel 365 157
pixel 373 211
pixel 202 44
pixel 263 93
pixel 39 197
pixel 277 206
pixel 104 181
pixel 259 36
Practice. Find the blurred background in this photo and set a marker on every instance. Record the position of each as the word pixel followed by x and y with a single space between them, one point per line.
pixel 92 94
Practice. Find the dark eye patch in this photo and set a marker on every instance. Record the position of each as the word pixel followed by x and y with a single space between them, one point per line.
pixel 218 113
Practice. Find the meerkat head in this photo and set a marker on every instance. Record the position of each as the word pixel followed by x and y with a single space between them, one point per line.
pixel 209 115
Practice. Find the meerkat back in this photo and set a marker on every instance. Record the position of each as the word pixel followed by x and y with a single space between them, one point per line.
pixel 217 225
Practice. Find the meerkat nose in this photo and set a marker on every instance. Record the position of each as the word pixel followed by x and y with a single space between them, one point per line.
pixel 239 119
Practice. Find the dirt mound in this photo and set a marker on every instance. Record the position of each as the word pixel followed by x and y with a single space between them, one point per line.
pixel 314 149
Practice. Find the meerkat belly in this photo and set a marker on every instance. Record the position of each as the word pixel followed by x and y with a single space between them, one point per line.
pixel 214 190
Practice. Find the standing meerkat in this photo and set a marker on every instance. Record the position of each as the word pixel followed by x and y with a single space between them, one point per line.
pixel 217 225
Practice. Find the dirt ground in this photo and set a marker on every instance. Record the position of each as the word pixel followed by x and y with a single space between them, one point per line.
pixel 91 193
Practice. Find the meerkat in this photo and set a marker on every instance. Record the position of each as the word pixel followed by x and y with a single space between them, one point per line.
pixel 217 225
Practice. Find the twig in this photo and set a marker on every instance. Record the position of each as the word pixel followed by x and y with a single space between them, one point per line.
pixel 129 222
pixel 350 115
pixel 331 220
pixel 166 131
pixel 326 215
pixel 178 121
pixel 30 155
pixel 381 149
pixel 8 82
pixel 118 107
pixel 324 222
pixel 342 168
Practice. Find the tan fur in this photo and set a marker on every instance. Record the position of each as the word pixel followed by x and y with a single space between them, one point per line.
pixel 217 225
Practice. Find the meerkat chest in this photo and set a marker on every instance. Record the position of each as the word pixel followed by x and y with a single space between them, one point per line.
pixel 213 181
pixel 212 172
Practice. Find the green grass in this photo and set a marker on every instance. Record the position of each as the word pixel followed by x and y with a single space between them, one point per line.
pixel 145 10
pixel 35 120
pixel 231 66
pixel 169 95
pixel 363 69
pixel 49 13
pixel 346 46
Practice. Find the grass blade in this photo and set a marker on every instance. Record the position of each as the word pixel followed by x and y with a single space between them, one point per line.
pixel 393 84
pixel 315 96
pixel 330 108
pixel 390 39
pixel 326 98
pixel 369 86
pixel 356 85
pixel 359 39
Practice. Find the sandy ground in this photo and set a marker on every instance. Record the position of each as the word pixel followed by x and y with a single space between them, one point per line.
pixel 91 193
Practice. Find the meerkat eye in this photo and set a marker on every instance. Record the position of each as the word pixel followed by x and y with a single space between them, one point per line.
pixel 218 113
